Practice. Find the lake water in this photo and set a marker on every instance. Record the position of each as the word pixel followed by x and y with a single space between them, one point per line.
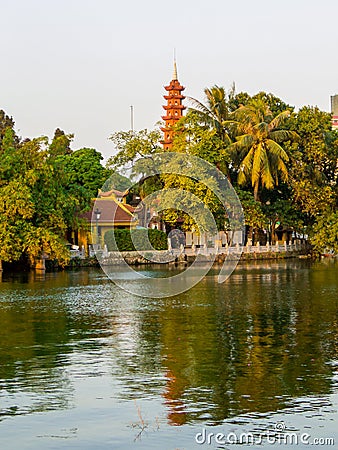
pixel 85 365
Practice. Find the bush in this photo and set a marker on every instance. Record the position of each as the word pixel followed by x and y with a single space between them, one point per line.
pixel 124 243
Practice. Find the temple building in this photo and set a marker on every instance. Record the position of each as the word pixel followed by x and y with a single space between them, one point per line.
pixel 109 210
pixel 174 109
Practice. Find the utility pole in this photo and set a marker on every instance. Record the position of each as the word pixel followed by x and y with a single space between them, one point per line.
pixel 132 118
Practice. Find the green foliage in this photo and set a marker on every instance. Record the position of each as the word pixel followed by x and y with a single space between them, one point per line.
pixel 145 239
pixel 286 212
pixel 253 212
pixel 43 188
pixel 32 220
pixel 196 204
pixel 7 123
pixel 257 151
pixel 285 163
pixel 135 152
pixel 216 111
pixel 183 194
pixel 313 169
pixel 324 234
pixel 115 181
pixel 83 171
pixel 200 140
pixel 275 104
pixel 39 241
pixel 60 144
pixel 131 146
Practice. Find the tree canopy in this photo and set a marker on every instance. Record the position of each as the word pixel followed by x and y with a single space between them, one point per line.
pixel 282 163
pixel 260 158
pixel 44 187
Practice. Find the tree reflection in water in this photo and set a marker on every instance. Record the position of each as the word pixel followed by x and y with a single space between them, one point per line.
pixel 253 343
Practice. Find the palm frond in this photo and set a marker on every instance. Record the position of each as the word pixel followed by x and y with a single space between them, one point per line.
pixel 279 119
pixel 246 167
pixel 242 145
pixel 282 170
pixel 267 174
pixel 262 159
pixel 198 106
pixel 262 129
pixel 258 162
pixel 246 140
pixel 277 150
pixel 283 135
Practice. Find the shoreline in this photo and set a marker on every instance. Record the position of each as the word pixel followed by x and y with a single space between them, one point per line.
pixel 166 258
pixel 159 258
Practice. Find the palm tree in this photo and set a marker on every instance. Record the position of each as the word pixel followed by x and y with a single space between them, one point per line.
pixel 215 113
pixel 260 157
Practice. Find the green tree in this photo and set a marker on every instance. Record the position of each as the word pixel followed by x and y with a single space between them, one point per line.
pixel 276 105
pixel 16 207
pixel 115 181
pixel 139 151
pixel 133 145
pixel 285 212
pixel 215 112
pixel 324 234
pixel 60 144
pixel 203 141
pixel 31 214
pixel 78 174
pixel 135 153
pixel 7 122
pixel 195 138
pixel 84 172
pixel 191 211
pixel 257 151
pixel 253 211
pixel 313 169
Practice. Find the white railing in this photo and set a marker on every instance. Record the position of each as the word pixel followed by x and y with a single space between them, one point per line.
pixel 78 253
pixel 235 250
pixel 275 248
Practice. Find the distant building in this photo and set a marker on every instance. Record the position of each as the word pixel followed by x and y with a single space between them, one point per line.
pixel 334 111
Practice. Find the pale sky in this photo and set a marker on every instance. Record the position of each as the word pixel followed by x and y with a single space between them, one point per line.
pixel 79 65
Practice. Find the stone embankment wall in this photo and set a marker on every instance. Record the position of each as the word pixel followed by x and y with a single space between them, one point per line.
pixel 246 253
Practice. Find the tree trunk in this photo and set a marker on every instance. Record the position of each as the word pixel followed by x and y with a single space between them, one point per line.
pixel 1 265
pixel 256 195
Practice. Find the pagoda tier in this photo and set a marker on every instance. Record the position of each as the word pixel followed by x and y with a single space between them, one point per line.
pixel 174 109
pixel 174 86
pixel 169 97
pixel 170 120
pixel 169 107
pixel 165 129
pixel 166 142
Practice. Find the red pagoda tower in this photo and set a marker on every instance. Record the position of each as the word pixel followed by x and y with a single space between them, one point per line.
pixel 174 109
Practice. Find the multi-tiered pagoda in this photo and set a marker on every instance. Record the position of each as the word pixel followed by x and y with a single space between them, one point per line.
pixel 174 109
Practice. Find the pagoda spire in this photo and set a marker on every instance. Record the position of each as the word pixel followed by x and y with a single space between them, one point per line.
pixel 174 109
pixel 175 71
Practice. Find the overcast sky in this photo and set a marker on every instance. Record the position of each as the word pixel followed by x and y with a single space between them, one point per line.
pixel 79 65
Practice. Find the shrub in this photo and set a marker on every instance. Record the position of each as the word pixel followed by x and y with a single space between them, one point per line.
pixel 124 243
